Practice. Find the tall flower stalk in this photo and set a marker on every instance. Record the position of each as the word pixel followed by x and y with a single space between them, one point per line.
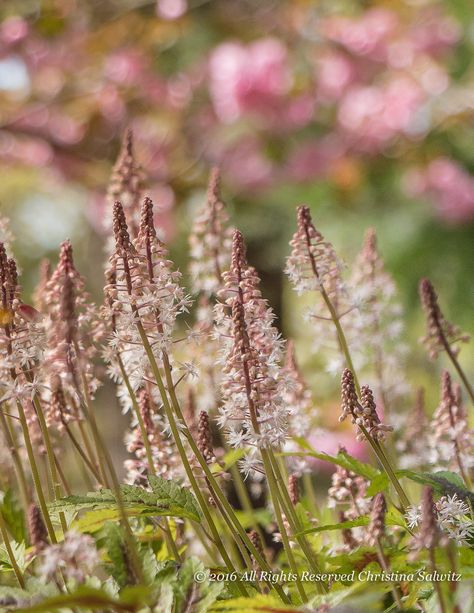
pixel 375 326
pixel 22 348
pixel 313 266
pixel 451 440
pixel 143 273
pixel 253 412
pixel 442 335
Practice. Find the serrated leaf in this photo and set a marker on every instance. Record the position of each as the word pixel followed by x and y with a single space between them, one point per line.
pixel 174 496
pixel 166 499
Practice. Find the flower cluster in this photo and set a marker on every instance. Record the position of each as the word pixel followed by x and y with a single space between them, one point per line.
pixel 376 528
pixel 452 516
pixel 210 241
pixel 348 493
pixel 126 184
pixel 72 327
pixel 441 335
pixel 374 327
pixel 143 294
pixel 451 440
pixel 313 264
pixel 349 489
pixel 363 413
pixel 253 411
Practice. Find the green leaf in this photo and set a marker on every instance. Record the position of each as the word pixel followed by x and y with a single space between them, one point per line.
pixel 175 496
pixel 92 521
pixel 342 459
pixel 167 498
pixel 131 600
pixel 443 482
pixel 378 484
pixel 19 550
pixel 353 523
pixel 266 603
pixel 188 593
pixel 119 565
pixel 13 515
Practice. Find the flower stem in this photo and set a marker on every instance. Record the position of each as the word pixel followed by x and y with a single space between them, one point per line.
pixel 213 483
pixel 376 445
pixel 82 454
pixel 149 455
pixel 437 585
pixel 14 452
pixel 102 451
pixel 182 453
pixel 274 494
pixel 386 568
pixel 217 490
pixel 51 459
pixel 35 473
pixel 292 517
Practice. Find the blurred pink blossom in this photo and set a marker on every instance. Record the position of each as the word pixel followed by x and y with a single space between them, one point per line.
pixel 374 115
pixel 125 67
pixel 335 72
pixel 12 30
pixel 111 104
pixel 29 151
pixel 245 164
pixel 366 35
pixel 171 9
pixel 248 78
pixel 434 34
pixel 449 186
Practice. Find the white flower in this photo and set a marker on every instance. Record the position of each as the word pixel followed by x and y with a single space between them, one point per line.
pixel 413 516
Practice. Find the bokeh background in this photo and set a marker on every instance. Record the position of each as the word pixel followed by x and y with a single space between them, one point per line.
pixel 362 109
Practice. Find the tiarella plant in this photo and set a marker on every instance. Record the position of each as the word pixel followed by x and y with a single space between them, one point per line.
pixel 219 505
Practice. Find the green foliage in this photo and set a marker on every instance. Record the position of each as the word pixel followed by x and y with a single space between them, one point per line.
pixel 131 600
pixel 13 515
pixel 19 553
pixel 119 558
pixel 190 595
pixel 443 482
pixel 176 498
pixel 342 459
pixel 166 499
pixel 266 603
